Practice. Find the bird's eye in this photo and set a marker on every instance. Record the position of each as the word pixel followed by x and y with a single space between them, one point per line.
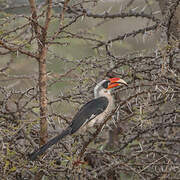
pixel 105 84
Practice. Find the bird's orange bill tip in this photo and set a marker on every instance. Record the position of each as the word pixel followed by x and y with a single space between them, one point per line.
pixel 114 82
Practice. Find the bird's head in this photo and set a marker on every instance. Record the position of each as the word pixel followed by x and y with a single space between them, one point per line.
pixel 106 85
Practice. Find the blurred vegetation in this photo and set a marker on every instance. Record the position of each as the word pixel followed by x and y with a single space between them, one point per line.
pixel 141 141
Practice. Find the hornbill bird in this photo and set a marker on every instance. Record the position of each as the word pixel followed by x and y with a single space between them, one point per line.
pixel 93 112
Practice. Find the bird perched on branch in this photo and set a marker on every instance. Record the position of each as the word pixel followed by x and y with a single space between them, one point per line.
pixel 93 112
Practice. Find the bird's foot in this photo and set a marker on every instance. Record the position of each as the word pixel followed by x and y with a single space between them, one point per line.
pixel 78 162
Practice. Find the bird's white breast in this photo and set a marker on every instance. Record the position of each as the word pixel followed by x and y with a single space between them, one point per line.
pixel 101 117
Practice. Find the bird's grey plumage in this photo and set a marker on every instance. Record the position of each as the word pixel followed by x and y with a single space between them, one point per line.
pixel 91 109
pixel 88 112
pixel 92 112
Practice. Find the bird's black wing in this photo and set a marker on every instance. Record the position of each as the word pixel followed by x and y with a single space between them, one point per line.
pixel 88 112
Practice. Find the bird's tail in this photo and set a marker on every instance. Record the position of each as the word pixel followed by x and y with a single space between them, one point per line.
pixel 42 149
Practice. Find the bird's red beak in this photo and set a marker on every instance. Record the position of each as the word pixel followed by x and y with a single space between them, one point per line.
pixel 114 82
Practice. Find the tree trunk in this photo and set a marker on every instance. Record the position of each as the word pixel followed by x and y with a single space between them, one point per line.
pixel 41 34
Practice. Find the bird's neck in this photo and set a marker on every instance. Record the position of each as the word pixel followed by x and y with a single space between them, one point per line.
pixel 105 93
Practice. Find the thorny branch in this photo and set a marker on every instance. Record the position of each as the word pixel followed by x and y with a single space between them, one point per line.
pixel 147 116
